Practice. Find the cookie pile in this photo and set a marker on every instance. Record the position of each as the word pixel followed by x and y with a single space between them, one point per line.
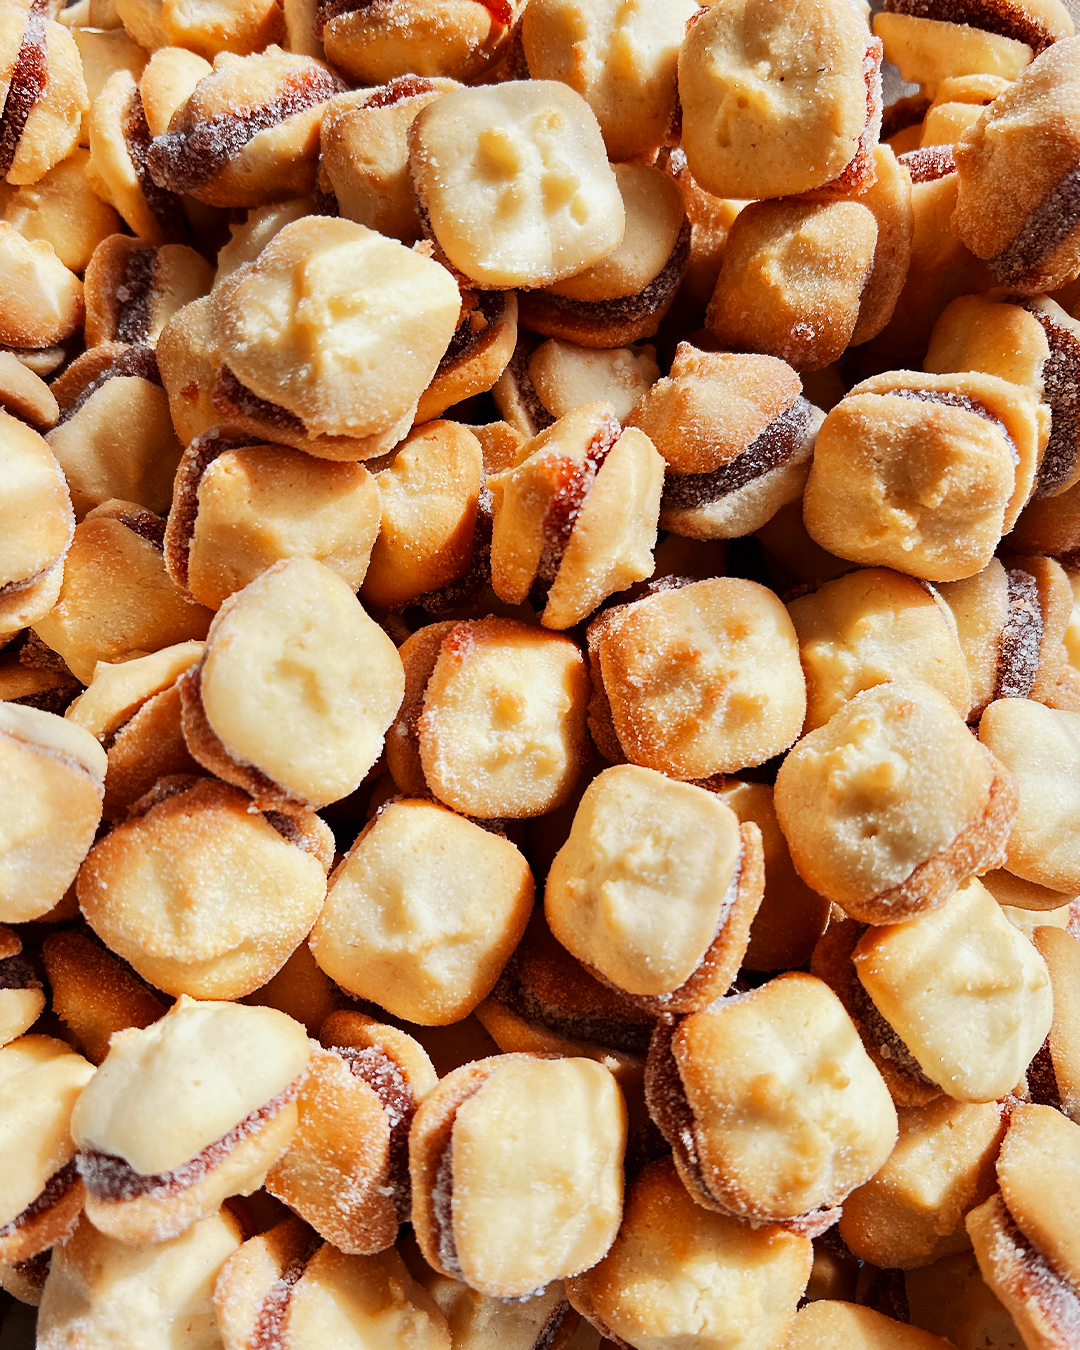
pixel 540 675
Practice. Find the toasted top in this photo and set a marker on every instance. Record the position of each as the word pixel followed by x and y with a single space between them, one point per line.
pixel 52 735
pixel 789 1112
pixel 119 689
pixel 515 182
pixel 296 650
pixel 713 405
pixel 40 1079
pixel 165 1093
pixel 36 519
pixel 338 324
pixel 774 96
pixel 890 779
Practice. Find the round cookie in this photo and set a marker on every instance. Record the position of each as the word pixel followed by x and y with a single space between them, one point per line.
pixel 517 1171
pixel 656 888
pixel 1041 748
pixel 777 101
pixel 239 508
pixel 184 1114
pixel 745 1143
pixel 513 183
pixel 872 626
pixel 892 803
pixel 293 649
pixel 328 339
pixel 423 913
pixel 575 518
pixel 493 718
pixel 53 776
pixel 1017 205
pixel 923 473
pixel 200 893
pixel 696 680
pixel 678 1272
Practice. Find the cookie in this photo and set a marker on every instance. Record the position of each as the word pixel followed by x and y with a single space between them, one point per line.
pixel 923 473
pixel 736 435
pixel 1025 222
pixel 42 1193
pixel 117 600
pixel 557 532
pixel 423 913
pixel 346 1171
pixel 792 280
pixel 275 651
pixel 1040 747
pixel 696 680
pixel 53 778
pixel 184 1114
pixel 744 1142
pixel 94 994
pixel 516 1168
pixel 880 816
pixel 513 183
pixel 678 1271
pixel 624 63
pixel 482 699
pixel 776 103
pixel 152 889
pixel 114 438
pixel 872 626
pixel 656 888
pixel 106 1292
pixel 338 371
pixel 239 508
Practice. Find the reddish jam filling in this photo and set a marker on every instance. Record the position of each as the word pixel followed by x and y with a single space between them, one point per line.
pixel 270 1321
pixel 590 1020
pixel 139 361
pixel 1054 218
pixel 928 164
pixel 182 161
pixel 133 296
pixel 29 76
pixel 111 1178
pixel 476 326
pixel 574 478
pixel 1020 637
pixel 165 207
pixel 1061 390
pixel 17 973
pixel 1034 1279
pixel 55 1189
pixel 624 308
pixel 388 1082
pixel 1003 18
pixel 231 396
pixel 780 440
pixel 526 390
pixel 669 1107
pixel 398 90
